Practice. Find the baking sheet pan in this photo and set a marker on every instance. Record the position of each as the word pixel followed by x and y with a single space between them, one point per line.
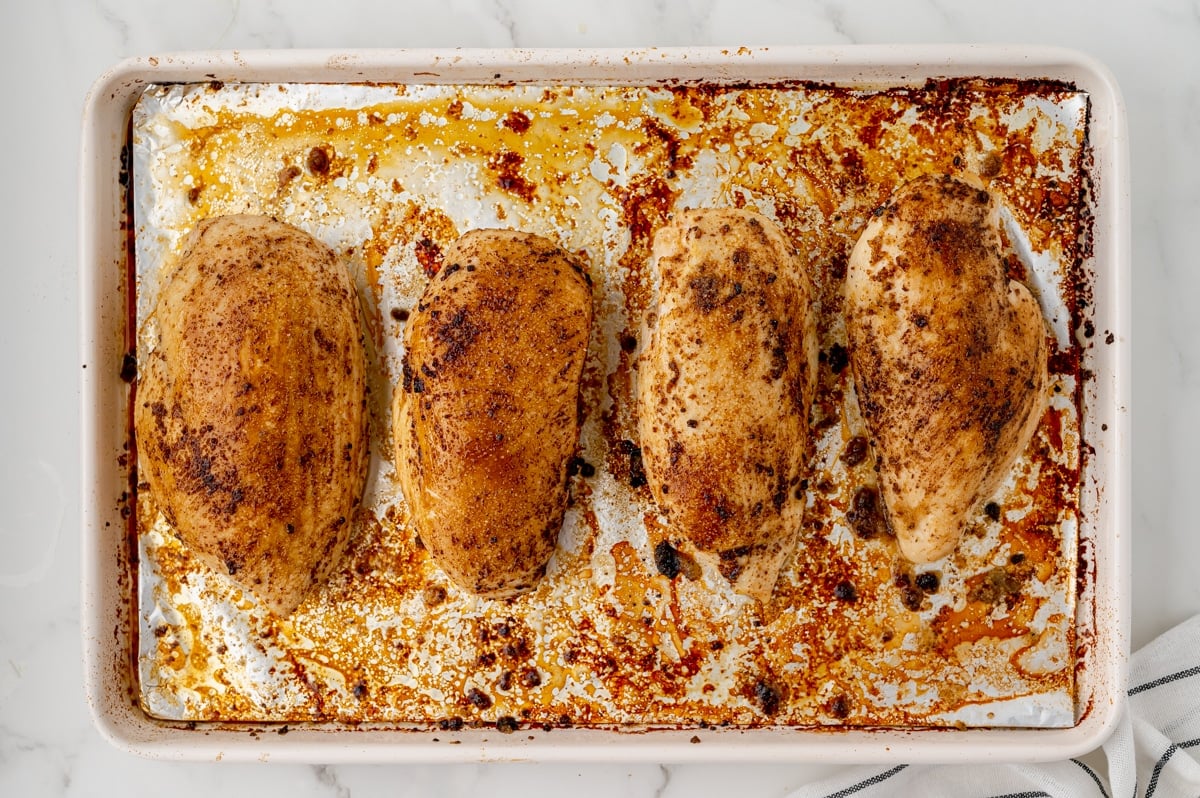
pixel 758 66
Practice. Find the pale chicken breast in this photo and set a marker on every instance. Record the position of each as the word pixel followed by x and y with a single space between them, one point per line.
pixel 725 382
pixel 488 415
pixel 949 358
pixel 251 405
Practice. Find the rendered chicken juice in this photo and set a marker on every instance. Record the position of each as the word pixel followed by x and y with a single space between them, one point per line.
pixel 388 176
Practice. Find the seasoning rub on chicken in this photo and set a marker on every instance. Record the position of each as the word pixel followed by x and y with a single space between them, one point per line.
pixel 949 357
pixel 251 405
pixel 725 382
pixel 488 415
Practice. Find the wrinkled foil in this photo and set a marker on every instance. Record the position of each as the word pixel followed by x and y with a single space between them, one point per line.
pixel 605 639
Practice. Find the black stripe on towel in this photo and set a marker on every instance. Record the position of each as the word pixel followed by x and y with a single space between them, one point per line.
pixel 1095 778
pixel 1158 766
pixel 871 782
pixel 1174 677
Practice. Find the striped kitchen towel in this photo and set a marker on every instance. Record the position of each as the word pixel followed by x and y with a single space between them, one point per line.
pixel 1154 752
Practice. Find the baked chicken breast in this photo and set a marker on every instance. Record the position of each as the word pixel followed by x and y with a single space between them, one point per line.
pixel 488 415
pixel 251 405
pixel 949 357
pixel 725 383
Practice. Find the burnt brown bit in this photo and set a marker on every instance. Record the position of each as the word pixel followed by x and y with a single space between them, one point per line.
pixel 955 241
pixel 670 142
pixel 318 161
pixel 516 121
pixel 855 451
pixel 637 470
pixel 990 165
pixel 433 595
pixel 1063 363
pixel 505 682
pixel 1000 584
pixel 128 366
pixel 360 691
pixel 451 724
pixel 628 342
pixel 507 724
pixel 928 581
pixel 666 559
pixel 507 167
pixel 406 374
pixel 675 562
pixel 838 264
pixel 399 314
pixel 193 194
pixel 287 174
pixel 479 699
pixel 845 591
pixel 673 367
pixel 706 291
pixel 837 358
pixel 530 678
pixel 323 341
pixel 866 514
pixel 517 649
pixel 769 696
pixel 455 333
pixel 126 158
pixel 910 595
pixel 992 511
pixel 429 255
pixel 731 562
pixel 1014 269
pixel 674 451
pixel 779 357
pixel 839 707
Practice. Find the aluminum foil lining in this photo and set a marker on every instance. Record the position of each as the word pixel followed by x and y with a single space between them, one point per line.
pixel 851 636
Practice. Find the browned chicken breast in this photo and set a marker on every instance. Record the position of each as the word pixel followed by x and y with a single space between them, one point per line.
pixel 250 412
pixel 949 358
pixel 725 383
pixel 488 414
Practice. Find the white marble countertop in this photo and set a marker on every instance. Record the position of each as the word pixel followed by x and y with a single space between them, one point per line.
pixel 52 51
